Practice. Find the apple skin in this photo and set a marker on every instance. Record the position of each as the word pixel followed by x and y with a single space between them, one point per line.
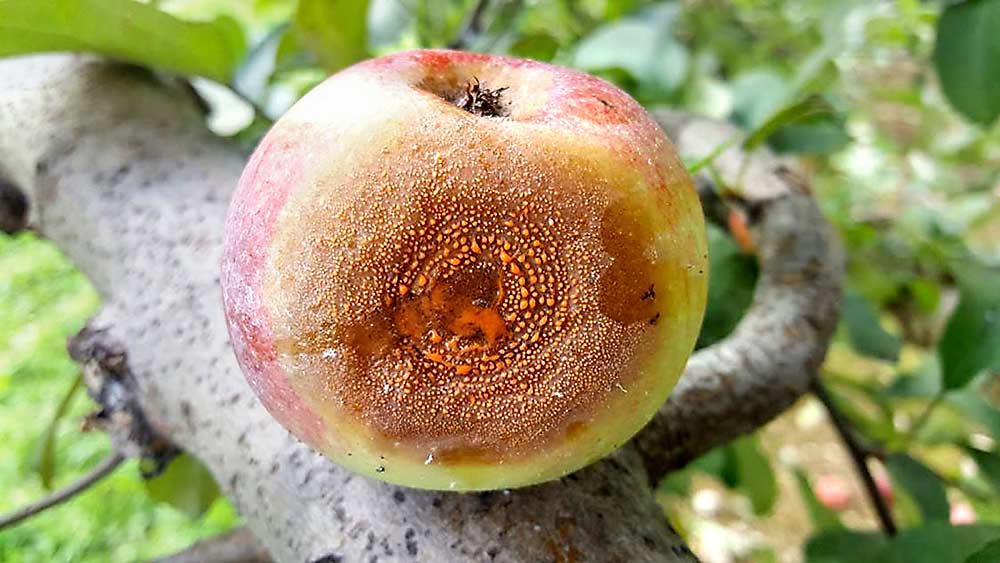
pixel 446 300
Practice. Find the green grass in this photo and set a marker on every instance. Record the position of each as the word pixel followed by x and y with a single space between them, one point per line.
pixel 43 300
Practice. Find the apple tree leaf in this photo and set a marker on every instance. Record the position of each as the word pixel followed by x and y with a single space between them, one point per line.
pixel 921 484
pixel 971 339
pixel 186 485
pixel 331 33
pixel 125 30
pixel 967 58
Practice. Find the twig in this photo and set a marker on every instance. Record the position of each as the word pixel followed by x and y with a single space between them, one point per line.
pixel 921 420
pixel 112 461
pixel 859 456
pixel 472 26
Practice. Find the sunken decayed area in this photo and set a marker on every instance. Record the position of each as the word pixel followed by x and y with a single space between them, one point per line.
pixel 459 271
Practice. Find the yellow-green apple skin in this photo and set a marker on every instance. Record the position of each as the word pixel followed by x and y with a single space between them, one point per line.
pixel 447 299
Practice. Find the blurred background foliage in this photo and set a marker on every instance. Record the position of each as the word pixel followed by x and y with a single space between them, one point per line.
pixel 891 106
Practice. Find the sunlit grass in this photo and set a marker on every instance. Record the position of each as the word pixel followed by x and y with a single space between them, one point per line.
pixel 43 300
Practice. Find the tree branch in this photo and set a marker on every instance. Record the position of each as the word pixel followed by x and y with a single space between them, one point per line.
pixel 858 456
pixel 100 471
pixel 771 358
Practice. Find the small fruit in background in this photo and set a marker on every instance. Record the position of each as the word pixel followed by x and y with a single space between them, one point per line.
pixel 833 492
pixel 459 271
pixel 884 486
pixel 961 512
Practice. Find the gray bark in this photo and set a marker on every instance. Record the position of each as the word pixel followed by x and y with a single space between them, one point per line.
pixel 121 173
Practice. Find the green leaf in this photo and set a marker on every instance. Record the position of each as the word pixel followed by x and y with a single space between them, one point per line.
pixel 122 29
pixel 333 32
pixel 971 339
pixel 812 107
pixel 757 94
pixel 974 406
pixel 865 330
pixel 43 458
pixel 388 20
pixel 676 482
pixel 822 517
pixel 537 46
pixel 754 476
pixel 730 287
pixel 937 542
pixel 922 485
pixel 842 546
pixel 922 382
pixel 989 466
pixel 967 58
pixel 990 553
pixel 186 485
pixel 714 463
pixel 641 45
pixel 821 136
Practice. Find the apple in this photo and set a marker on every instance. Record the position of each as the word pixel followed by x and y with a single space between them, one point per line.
pixel 833 492
pixel 961 513
pixel 459 271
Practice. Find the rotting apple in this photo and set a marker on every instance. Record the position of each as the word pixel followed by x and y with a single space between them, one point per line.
pixel 459 271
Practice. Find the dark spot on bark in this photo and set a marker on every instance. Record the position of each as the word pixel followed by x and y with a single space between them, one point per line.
pixel 13 207
pixel 486 501
pixel 411 543
pixel 680 549
pixel 650 543
pixel 755 211
pixel 493 552
pixel 436 502
pixel 331 558
pixel 117 175
pixel 385 547
pixel 616 465
pixel 399 497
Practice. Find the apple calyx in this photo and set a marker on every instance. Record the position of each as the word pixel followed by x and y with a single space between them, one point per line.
pixel 482 101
